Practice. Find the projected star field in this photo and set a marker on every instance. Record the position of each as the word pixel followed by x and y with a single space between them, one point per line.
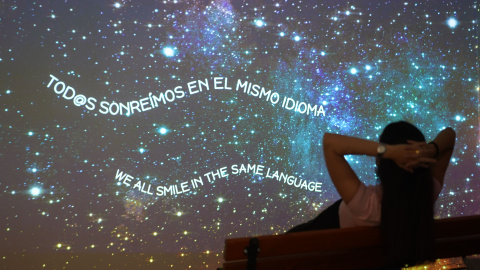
pixel 164 128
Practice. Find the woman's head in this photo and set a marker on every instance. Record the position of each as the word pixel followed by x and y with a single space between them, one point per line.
pixel 396 133
pixel 400 132
pixel 407 201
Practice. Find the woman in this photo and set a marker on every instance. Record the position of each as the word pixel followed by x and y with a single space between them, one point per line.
pixel 411 174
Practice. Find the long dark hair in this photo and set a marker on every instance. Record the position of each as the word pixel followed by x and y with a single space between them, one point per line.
pixel 407 203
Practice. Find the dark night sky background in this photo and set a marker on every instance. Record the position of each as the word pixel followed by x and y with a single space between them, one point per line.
pixel 365 63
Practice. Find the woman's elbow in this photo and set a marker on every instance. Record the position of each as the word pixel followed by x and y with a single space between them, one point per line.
pixel 327 140
pixel 451 132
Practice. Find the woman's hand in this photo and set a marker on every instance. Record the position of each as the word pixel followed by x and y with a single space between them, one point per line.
pixel 412 155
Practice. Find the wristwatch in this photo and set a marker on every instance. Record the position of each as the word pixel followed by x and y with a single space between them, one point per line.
pixel 381 149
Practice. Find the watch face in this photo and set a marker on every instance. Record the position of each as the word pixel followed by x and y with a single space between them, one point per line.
pixel 381 149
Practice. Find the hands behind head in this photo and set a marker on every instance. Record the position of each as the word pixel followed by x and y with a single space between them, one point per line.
pixel 412 155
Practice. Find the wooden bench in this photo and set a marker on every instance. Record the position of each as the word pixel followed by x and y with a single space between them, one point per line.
pixel 349 248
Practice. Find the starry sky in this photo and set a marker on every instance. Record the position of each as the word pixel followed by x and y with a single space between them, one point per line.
pixel 165 127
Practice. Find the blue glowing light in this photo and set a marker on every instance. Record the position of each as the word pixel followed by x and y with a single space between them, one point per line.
pixel 259 23
pixel 452 23
pixel 162 130
pixel 35 191
pixel 168 52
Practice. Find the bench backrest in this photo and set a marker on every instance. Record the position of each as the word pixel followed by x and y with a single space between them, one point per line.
pixel 350 248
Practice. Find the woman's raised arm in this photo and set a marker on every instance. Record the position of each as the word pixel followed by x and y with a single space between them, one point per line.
pixel 442 145
pixel 346 181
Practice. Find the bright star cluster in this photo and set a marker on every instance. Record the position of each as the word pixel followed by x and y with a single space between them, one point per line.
pixel 367 63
